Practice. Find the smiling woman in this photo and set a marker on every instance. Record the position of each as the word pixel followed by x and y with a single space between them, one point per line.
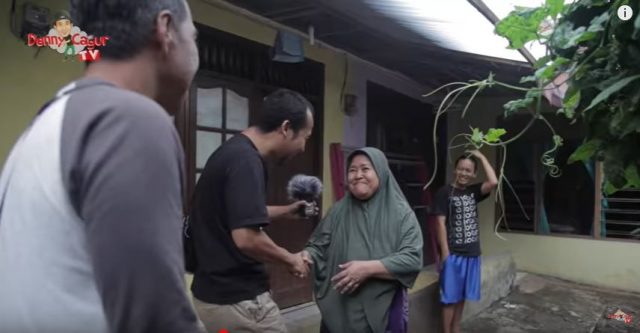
pixel 362 177
pixel 366 252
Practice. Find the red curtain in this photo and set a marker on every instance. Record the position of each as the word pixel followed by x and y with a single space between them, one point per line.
pixel 336 157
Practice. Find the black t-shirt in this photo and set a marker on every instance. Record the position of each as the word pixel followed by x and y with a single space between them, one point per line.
pixel 230 194
pixel 460 208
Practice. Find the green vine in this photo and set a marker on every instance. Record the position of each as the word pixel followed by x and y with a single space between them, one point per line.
pixel 600 56
pixel 597 56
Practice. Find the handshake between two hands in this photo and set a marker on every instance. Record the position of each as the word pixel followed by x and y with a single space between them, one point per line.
pixel 300 264
pixel 352 274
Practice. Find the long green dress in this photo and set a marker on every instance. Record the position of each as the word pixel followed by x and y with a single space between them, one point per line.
pixel 382 228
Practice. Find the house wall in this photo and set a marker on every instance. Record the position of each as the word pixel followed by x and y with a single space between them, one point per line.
pixel 228 21
pixel 607 263
pixel 28 82
pixel 26 88
pixel 355 126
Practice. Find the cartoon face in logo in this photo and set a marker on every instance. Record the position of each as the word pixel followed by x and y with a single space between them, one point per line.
pixel 65 31
pixel 63 27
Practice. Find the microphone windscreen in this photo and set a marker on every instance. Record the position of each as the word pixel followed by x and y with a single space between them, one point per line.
pixel 303 187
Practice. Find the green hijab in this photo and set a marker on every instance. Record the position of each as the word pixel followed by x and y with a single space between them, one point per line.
pixel 382 228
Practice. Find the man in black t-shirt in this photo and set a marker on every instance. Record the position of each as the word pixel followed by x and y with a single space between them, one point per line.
pixel 231 285
pixel 459 236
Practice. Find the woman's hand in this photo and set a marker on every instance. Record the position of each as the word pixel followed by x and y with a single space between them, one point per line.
pixel 353 275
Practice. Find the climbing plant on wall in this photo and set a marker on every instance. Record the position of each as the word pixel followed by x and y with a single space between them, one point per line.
pixel 590 74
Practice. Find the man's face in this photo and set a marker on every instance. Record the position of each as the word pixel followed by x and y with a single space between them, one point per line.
pixel 63 27
pixel 464 172
pixel 180 63
pixel 294 143
pixel 186 58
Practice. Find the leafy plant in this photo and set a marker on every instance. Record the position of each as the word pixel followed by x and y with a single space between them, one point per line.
pixel 596 56
pixel 600 54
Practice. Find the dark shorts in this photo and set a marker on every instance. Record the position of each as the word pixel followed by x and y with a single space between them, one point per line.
pixel 460 279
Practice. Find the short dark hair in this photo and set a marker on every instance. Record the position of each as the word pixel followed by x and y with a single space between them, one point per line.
pixel 470 158
pixel 281 105
pixel 129 24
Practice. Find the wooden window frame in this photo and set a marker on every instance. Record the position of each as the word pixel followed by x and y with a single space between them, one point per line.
pixel 597 211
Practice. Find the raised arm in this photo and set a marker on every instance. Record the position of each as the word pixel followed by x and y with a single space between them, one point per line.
pixel 492 180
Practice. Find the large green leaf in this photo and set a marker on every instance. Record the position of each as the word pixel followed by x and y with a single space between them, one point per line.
pixel 570 103
pixel 632 176
pixel 631 125
pixel 521 26
pixel 515 105
pixel 613 164
pixel 548 72
pixel 477 136
pixel 599 22
pixel 585 151
pixel 565 36
pixel 561 35
pixel 603 95
pixel 542 61
pixel 493 134
pixel 609 189
pixel 555 7
pixel 580 36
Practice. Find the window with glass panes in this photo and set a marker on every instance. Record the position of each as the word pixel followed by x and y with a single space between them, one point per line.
pixel 221 113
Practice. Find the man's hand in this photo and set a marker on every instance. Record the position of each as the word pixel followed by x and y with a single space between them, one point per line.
pixel 298 266
pixel 306 257
pixel 492 180
pixel 294 209
pixel 291 211
pixel 300 206
pixel 444 255
pixel 477 154
pixel 353 274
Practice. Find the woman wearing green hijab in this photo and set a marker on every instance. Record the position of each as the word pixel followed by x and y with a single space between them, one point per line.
pixel 366 252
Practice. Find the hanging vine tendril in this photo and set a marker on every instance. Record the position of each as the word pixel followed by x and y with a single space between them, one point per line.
pixel 477 139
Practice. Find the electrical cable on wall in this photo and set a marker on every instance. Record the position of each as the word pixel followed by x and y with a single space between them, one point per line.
pixel 12 19
pixel 344 82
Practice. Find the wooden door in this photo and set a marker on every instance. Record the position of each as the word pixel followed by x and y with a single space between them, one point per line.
pixel 218 108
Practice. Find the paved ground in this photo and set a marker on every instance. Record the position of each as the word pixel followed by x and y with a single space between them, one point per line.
pixel 543 304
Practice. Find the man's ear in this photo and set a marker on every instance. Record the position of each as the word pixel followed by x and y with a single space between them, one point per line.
pixel 164 34
pixel 285 128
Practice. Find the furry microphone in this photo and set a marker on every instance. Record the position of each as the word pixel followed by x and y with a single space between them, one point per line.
pixel 307 188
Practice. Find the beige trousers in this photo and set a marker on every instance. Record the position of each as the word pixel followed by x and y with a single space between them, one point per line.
pixel 259 315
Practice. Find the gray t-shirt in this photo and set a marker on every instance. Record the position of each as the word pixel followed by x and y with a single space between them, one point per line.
pixel 90 225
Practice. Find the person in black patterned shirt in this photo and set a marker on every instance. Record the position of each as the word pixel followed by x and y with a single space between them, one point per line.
pixel 459 236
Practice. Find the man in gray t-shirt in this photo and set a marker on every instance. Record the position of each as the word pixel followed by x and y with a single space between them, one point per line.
pixel 90 195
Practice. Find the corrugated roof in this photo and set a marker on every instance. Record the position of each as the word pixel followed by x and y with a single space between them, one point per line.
pixel 457 24
pixel 356 27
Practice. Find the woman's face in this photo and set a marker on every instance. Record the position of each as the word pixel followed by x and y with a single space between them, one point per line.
pixel 362 178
